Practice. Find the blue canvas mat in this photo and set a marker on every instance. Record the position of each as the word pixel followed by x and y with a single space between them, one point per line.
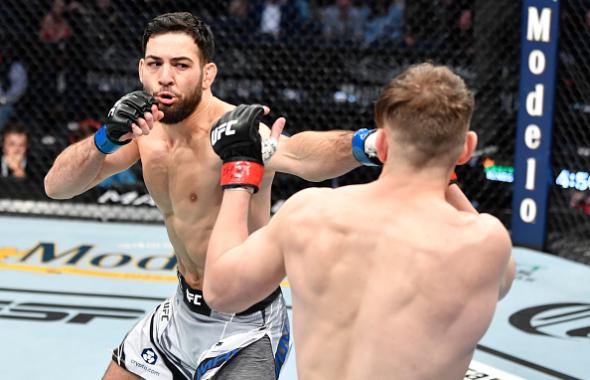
pixel 70 290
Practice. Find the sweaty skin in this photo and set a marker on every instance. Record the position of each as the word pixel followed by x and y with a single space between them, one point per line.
pixel 398 278
pixel 183 179
pixel 403 284
pixel 180 169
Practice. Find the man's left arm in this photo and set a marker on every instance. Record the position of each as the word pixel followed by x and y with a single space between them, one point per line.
pixel 316 156
pixel 240 270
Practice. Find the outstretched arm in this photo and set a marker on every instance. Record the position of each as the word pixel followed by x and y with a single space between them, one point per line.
pixel 317 156
pixel 241 270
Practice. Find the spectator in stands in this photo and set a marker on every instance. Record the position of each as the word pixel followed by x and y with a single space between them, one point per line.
pixel 309 13
pixel 237 23
pixel 454 29
pixel 443 27
pixel 270 19
pixel 270 22
pixel 95 24
pixel 385 22
pixel 239 12
pixel 343 21
pixel 49 85
pixel 278 19
pixel 13 79
pixel 55 28
pixel 21 169
pixel 580 200
pixel 15 141
pixel 417 33
pixel 305 9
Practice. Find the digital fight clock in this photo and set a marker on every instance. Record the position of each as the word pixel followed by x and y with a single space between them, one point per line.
pixel 573 180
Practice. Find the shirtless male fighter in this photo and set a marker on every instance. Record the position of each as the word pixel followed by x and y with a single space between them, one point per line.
pixel 395 279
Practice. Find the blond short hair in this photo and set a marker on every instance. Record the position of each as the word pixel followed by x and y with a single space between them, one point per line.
pixel 428 108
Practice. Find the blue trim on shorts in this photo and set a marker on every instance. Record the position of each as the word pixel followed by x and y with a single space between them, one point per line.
pixel 214 362
pixel 282 349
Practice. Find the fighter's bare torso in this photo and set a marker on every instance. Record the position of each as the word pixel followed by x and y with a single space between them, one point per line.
pixel 406 296
pixel 181 173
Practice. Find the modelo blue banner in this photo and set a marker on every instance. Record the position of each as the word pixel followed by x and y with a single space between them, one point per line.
pixel 532 168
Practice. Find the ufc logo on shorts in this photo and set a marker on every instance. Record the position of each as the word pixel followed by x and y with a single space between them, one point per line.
pixel 193 298
pixel 224 128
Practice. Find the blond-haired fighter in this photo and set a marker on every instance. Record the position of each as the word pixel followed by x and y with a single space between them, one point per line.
pixel 395 279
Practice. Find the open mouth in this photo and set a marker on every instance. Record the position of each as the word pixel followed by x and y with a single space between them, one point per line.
pixel 166 98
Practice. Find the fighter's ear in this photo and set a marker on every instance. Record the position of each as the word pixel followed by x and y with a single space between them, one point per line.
pixel 468 147
pixel 381 145
pixel 209 74
pixel 140 69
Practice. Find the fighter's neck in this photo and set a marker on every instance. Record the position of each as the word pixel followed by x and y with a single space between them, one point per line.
pixel 403 179
pixel 200 120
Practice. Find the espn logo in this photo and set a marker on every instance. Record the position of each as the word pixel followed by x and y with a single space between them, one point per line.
pixel 53 312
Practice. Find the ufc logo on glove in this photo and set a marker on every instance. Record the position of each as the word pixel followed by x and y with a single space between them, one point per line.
pixel 236 140
pixel 224 128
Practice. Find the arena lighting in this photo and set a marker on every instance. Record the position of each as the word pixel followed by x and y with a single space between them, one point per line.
pixel 497 172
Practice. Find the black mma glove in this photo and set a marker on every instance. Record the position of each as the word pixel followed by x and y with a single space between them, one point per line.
pixel 236 140
pixel 124 112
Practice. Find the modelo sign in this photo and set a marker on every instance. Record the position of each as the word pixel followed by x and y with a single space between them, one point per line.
pixel 532 171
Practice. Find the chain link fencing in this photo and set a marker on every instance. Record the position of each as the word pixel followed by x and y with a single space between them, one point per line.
pixel 321 64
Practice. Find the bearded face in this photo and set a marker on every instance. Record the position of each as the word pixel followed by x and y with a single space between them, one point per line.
pixel 172 71
pixel 177 107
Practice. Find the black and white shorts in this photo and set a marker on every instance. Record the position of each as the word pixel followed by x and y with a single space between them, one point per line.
pixel 184 339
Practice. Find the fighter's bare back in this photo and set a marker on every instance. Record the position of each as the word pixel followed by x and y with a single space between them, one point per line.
pixel 438 288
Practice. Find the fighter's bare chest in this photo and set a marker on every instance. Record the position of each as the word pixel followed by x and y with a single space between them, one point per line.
pixel 182 179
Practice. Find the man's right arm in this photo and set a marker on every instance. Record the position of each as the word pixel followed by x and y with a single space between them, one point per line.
pixel 456 198
pixel 507 278
pixel 110 150
pixel 81 166
pixel 501 247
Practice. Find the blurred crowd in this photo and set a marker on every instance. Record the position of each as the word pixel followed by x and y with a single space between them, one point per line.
pixel 64 62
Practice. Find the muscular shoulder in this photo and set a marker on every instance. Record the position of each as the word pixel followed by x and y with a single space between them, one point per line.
pixel 302 213
pixel 493 225
pixel 303 204
pixel 493 236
